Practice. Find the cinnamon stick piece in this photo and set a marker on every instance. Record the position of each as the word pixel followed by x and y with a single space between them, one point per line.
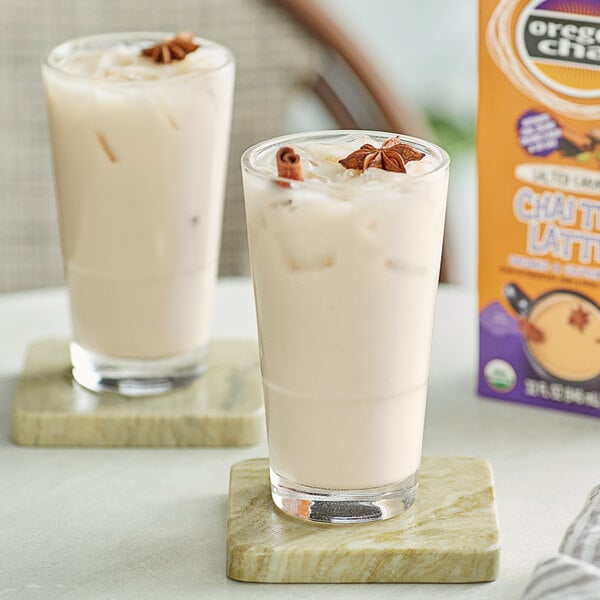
pixel 530 331
pixel 288 166
pixel 578 139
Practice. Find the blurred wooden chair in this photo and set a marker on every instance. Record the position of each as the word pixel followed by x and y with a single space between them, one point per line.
pixel 352 87
pixel 281 46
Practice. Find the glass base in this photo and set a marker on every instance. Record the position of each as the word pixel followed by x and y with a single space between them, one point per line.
pixel 343 506
pixel 135 377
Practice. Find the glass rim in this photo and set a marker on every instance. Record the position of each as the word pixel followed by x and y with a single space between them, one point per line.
pixel 67 46
pixel 431 150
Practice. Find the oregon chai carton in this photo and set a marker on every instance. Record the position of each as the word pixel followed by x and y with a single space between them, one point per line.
pixel 539 202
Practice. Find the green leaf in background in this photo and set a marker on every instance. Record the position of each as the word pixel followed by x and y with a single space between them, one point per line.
pixel 455 136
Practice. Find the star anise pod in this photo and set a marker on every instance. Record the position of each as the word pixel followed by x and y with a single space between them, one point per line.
pixel 171 49
pixel 392 156
pixel 579 318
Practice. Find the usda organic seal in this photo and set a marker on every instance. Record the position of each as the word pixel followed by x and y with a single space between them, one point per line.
pixel 500 375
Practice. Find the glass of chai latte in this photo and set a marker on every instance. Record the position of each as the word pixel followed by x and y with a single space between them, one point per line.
pixel 139 128
pixel 345 231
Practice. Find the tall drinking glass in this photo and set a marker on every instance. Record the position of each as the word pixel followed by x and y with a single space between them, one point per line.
pixel 345 266
pixel 139 147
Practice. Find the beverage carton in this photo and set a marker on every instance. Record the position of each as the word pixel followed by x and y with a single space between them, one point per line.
pixel 539 202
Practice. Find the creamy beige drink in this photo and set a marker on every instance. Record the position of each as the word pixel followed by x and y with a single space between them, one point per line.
pixel 345 266
pixel 570 344
pixel 140 151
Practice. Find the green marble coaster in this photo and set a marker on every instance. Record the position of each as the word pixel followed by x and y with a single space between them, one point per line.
pixel 450 535
pixel 222 408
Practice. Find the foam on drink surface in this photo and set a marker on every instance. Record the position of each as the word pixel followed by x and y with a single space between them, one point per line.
pixel 124 63
pixel 320 163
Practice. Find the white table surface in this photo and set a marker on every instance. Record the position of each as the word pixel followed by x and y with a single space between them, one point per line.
pixel 150 523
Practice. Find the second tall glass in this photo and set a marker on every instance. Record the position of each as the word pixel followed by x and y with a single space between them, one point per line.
pixel 140 147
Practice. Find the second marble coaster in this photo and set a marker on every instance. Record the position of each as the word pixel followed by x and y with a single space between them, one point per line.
pixel 450 535
pixel 222 408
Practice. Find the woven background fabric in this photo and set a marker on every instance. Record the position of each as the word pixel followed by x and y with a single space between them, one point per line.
pixel 272 56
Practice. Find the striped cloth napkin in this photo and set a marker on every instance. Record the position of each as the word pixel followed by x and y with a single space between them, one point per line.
pixel 574 573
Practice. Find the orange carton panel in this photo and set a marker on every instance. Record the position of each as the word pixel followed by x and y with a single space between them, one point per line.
pixel 538 144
